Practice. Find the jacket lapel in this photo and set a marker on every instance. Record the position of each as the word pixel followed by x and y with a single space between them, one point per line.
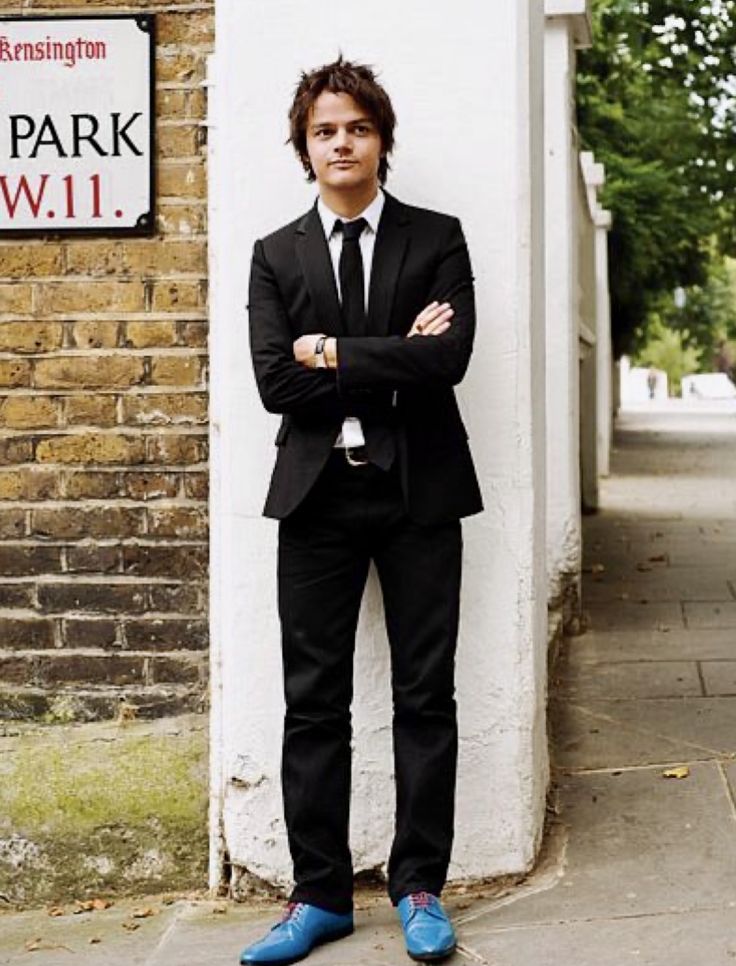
pixel 388 256
pixel 316 265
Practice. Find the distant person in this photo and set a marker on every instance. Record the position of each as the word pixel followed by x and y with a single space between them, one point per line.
pixel 652 382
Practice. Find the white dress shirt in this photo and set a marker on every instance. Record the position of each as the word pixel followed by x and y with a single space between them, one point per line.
pixel 352 431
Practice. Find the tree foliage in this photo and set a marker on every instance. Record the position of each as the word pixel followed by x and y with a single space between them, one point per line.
pixel 657 105
pixel 667 349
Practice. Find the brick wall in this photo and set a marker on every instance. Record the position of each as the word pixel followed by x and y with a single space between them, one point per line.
pixel 103 430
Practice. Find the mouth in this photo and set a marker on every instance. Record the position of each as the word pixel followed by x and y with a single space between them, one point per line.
pixel 342 164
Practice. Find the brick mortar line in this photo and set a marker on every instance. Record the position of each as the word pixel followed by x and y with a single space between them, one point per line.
pixel 122 430
pixel 163 123
pixel 132 392
pixel 108 277
pixel 188 86
pixel 97 651
pixel 117 468
pixel 75 469
pixel 135 391
pixel 115 579
pixel 125 617
pixel 172 352
pixel 102 317
pixel 142 541
pixel 161 7
pixel 70 243
pixel 159 503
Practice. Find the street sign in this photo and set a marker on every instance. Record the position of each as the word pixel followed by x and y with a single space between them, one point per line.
pixel 77 124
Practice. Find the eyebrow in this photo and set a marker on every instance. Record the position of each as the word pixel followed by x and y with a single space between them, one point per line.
pixel 358 120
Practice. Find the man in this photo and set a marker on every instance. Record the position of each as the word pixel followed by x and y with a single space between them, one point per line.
pixel 361 322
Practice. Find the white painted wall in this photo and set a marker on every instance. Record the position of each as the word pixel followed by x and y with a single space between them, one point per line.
pixel 564 539
pixel 603 343
pixel 466 81
pixel 590 177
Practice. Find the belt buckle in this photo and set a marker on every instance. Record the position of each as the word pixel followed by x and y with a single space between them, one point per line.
pixel 351 460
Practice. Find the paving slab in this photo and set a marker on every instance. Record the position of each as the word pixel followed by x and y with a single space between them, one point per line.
pixel 639 844
pixel 105 938
pixel 674 939
pixel 660 583
pixel 198 941
pixel 614 734
pixel 711 616
pixel 621 615
pixel 719 677
pixel 641 679
pixel 677 644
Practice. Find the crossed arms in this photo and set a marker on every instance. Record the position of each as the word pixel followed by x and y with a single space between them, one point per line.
pixel 434 352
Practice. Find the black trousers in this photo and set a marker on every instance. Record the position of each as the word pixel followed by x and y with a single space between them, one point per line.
pixel 352 516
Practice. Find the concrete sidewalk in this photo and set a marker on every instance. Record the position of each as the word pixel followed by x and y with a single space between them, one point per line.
pixel 637 867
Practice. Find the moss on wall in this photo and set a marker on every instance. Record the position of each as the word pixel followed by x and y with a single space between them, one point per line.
pixel 103 808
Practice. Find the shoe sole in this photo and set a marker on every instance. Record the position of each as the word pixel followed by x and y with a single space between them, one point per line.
pixel 297 959
pixel 432 957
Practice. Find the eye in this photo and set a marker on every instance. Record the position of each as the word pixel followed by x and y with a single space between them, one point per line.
pixel 362 129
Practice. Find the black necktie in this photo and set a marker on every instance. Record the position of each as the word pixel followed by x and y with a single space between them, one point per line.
pixel 352 284
pixel 377 428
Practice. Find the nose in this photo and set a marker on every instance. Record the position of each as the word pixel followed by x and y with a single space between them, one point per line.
pixel 343 141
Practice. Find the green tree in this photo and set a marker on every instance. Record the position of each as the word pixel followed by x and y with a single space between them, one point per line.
pixel 657 105
pixel 707 313
pixel 667 349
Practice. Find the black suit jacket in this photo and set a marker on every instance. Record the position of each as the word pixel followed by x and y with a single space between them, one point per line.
pixel 420 256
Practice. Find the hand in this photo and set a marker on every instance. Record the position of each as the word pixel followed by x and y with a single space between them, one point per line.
pixel 433 320
pixel 304 350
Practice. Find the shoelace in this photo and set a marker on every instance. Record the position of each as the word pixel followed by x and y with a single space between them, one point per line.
pixel 420 900
pixel 292 910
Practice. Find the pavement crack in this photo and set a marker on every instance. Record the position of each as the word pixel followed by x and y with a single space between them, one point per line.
pixel 621 917
pixel 728 789
pixel 471 954
pixel 163 940
pixel 548 873
pixel 647 732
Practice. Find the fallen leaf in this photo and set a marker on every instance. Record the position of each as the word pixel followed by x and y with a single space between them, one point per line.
pixel 682 771
pixel 56 911
pixel 659 558
pixel 99 904
pixel 220 909
pixel 35 945
pixel 642 567
pixel 131 926
pixel 144 913
pixel 93 940
pixel 126 712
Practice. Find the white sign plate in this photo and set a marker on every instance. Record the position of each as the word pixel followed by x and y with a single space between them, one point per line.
pixel 76 124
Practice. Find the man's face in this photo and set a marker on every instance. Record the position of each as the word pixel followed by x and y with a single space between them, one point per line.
pixel 343 144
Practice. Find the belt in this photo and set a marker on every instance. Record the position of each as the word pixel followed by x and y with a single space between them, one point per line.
pixel 355 456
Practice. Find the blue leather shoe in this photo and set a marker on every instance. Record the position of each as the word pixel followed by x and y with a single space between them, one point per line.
pixel 427 930
pixel 302 928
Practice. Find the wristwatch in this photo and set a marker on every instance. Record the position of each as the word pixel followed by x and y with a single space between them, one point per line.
pixel 319 352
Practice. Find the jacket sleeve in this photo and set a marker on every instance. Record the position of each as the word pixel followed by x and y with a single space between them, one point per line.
pixel 395 361
pixel 284 385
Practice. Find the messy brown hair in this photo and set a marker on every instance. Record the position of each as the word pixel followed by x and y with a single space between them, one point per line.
pixel 342 77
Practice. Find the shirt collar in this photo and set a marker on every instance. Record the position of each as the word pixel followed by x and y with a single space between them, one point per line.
pixel 372 214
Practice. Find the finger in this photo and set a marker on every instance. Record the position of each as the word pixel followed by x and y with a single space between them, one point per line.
pixel 426 310
pixel 440 329
pixel 430 312
pixel 445 317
